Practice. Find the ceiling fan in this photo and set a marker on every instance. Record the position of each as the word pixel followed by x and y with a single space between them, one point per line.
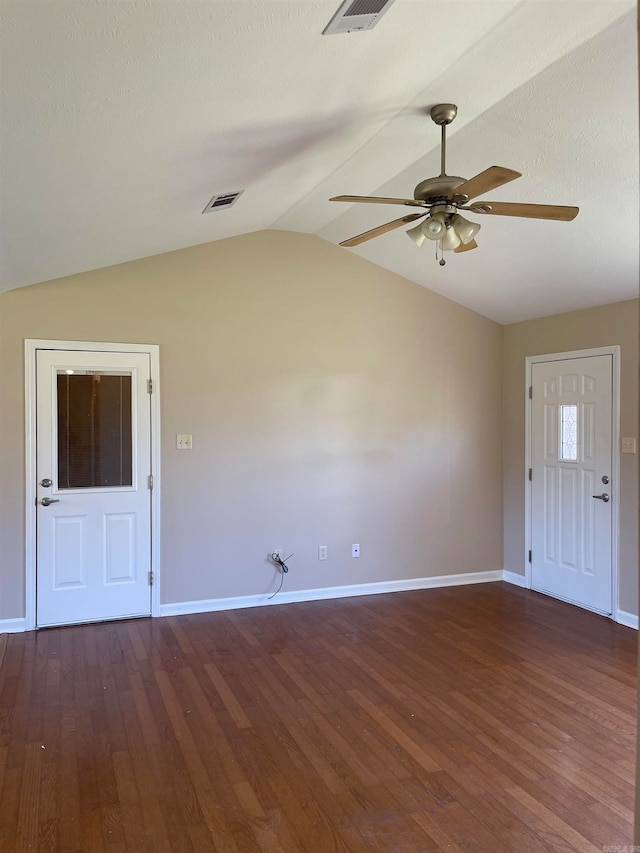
pixel 439 200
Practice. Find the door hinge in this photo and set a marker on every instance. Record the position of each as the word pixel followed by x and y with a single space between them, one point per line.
pixel 149 386
pixel 150 578
pixel 150 481
pixel 531 392
pixel 529 556
pixel 530 474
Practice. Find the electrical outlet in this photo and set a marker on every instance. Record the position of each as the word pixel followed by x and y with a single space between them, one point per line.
pixel 628 445
pixel 355 550
pixel 184 442
pixel 322 552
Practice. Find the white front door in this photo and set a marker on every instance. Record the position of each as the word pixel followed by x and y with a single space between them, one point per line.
pixel 571 489
pixel 93 454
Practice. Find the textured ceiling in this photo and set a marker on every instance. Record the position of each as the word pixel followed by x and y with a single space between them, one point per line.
pixel 122 119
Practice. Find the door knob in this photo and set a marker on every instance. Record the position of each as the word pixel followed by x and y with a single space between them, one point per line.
pixel 48 501
pixel 603 497
pixel 46 483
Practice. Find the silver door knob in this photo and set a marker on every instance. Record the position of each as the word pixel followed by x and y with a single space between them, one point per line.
pixel 48 501
pixel 46 483
pixel 603 497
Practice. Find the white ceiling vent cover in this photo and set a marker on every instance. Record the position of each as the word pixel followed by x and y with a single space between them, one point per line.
pixel 356 15
pixel 222 200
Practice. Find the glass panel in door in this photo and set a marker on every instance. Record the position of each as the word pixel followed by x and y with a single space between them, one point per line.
pixel 94 430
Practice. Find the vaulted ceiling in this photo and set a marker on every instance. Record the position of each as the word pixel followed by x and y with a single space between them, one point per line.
pixel 120 120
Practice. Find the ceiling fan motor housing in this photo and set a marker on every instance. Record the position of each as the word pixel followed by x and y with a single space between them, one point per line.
pixel 437 189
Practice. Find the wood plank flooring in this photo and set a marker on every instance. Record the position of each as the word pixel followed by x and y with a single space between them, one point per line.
pixel 482 718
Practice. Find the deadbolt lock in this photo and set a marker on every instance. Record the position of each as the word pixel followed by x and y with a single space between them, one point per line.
pixel 605 480
pixel 46 483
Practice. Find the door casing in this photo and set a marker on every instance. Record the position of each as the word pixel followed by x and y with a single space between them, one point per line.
pixel 31 347
pixel 613 351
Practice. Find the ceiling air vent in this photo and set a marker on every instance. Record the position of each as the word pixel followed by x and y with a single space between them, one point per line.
pixel 222 200
pixel 356 15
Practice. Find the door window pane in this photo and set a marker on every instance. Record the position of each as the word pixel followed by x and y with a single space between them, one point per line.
pixel 569 433
pixel 94 430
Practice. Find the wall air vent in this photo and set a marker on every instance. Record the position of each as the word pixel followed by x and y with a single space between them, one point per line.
pixel 354 16
pixel 222 200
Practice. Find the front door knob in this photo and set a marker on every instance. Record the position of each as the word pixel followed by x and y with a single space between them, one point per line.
pixel 603 497
pixel 49 501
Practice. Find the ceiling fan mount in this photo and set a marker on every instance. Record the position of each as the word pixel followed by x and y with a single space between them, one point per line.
pixel 443 113
pixel 440 198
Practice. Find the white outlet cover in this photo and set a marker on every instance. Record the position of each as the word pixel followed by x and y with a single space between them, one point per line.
pixel 184 442
pixel 628 445
pixel 322 552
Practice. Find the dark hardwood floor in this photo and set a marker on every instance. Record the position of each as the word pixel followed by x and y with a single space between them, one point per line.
pixel 481 718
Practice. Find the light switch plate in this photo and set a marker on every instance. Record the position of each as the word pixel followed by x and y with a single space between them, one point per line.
pixel 184 442
pixel 628 445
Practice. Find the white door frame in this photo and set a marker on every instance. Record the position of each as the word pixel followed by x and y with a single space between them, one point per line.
pixel 31 346
pixel 613 351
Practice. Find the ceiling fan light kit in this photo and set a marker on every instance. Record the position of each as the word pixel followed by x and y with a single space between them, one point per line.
pixel 464 229
pixel 417 234
pixel 435 226
pixel 449 240
pixel 440 198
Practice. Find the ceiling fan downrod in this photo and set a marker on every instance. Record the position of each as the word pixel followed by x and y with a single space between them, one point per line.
pixel 443 114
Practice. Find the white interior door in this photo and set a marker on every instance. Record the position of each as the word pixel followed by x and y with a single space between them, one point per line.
pixel 571 489
pixel 93 454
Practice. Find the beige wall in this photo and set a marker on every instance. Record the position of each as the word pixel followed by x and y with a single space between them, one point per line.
pixel 330 402
pixel 594 327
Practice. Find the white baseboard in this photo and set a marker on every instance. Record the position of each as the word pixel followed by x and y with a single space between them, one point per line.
pixel 12 626
pixel 628 619
pixel 182 608
pixel 514 578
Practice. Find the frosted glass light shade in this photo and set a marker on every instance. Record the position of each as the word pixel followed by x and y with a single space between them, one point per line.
pixel 434 227
pixel 417 235
pixel 450 240
pixel 465 230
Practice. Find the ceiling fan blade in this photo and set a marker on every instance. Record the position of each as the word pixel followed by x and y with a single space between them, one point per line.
pixel 464 247
pixel 374 199
pixel 494 176
pixel 382 229
pixel 529 211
